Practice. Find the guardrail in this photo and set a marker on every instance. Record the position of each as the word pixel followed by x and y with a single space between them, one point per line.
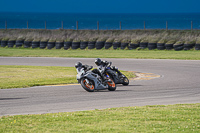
pixel 97 26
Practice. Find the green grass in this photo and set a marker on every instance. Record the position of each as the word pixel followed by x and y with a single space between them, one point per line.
pixel 157 118
pixel 137 54
pixel 27 76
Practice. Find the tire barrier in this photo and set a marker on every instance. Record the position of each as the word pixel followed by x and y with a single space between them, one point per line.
pixel 83 45
pixel 43 44
pixel 152 46
pixel 19 43
pixel 188 46
pixel 178 46
pixel 75 45
pixel 197 46
pixel 100 44
pixel 11 43
pixel 169 46
pixel 27 43
pixel 116 45
pixel 35 44
pixel 133 46
pixel 124 45
pixel 143 45
pixel 67 45
pixel 108 45
pixel 59 45
pixel 91 44
pixel 50 45
pixel 4 43
pixel 160 46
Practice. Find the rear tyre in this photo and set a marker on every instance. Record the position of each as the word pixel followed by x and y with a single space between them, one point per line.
pixel 87 86
pixel 125 81
pixel 111 85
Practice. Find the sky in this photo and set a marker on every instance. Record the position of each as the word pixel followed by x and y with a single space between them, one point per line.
pixel 101 6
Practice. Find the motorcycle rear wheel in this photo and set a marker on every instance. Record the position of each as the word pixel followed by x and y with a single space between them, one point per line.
pixel 87 86
pixel 111 85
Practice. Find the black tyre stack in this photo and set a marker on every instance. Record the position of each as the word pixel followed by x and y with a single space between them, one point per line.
pixel 100 43
pixel 67 44
pixel 4 42
pixel 11 43
pixel 109 43
pixel 188 45
pixel 76 44
pixel 84 44
pixel 124 43
pixel 134 44
pixel 43 43
pixel 91 43
pixel 178 46
pixel 152 44
pixel 19 42
pixel 169 45
pixel 161 45
pixel 28 43
pixel 197 45
pixel 116 44
pixel 143 44
pixel 51 44
pixel 36 43
pixel 59 44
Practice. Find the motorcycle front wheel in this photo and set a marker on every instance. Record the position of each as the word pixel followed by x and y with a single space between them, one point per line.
pixel 125 81
pixel 111 85
pixel 88 86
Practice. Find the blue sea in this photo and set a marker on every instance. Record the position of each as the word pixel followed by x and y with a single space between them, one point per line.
pixel 106 21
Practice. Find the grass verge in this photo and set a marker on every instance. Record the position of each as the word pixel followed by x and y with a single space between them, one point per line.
pixel 157 118
pixel 27 76
pixel 137 54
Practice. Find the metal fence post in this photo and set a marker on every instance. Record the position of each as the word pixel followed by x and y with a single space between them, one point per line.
pixel 191 25
pixel 45 25
pixel 27 24
pixel 144 25
pixel 62 24
pixel 120 25
pixel 76 25
pixel 166 25
pixel 97 25
pixel 6 25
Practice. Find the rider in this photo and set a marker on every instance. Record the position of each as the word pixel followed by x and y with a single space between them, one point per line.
pixel 80 65
pixel 101 63
pixel 98 62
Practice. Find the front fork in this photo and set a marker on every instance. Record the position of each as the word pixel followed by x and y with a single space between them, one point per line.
pixel 87 81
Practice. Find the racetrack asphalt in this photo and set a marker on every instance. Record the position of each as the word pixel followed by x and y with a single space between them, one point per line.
pixel 179 82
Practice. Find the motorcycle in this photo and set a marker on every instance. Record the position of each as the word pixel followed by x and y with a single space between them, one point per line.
pixel 91 81
pixel 112 72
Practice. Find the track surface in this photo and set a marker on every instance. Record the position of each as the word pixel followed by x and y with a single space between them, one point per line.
pixel 179 83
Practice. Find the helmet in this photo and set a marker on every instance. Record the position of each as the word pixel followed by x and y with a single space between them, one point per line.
pixel 78 64
pixel 97 61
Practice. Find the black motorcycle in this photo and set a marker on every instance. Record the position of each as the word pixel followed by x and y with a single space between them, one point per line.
pixel 111 72
pixel 91 81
